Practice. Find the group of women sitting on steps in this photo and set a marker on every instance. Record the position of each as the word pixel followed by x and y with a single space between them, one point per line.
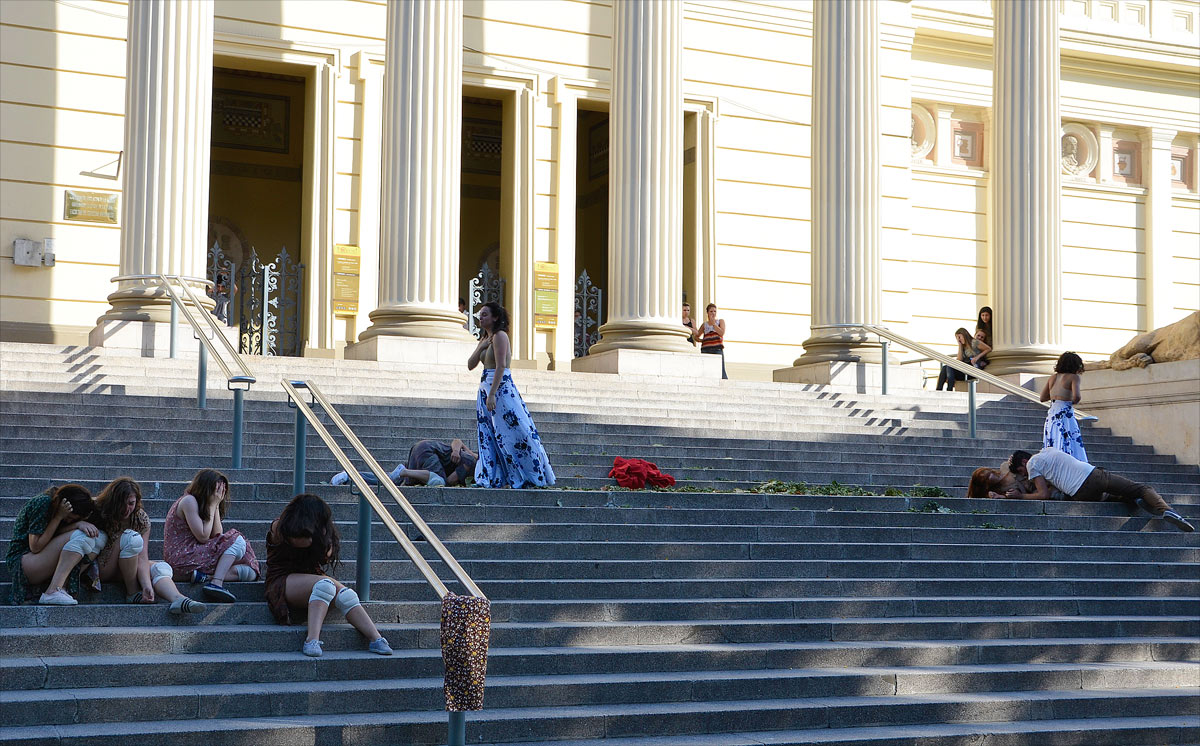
pixel 65 537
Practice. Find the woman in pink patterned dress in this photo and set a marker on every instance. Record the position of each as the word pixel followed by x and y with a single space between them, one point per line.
pixel 198 547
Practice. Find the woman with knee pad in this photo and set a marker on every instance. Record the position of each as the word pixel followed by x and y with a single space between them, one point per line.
pixel 198 547
pixel 120 517
pixel 38 552
pixel 301 544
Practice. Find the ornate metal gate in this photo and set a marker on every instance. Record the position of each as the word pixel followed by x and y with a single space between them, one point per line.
pixel 487 286
pixel 589 312
pixel 264 300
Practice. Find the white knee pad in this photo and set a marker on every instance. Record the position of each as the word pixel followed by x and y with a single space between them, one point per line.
pixel 245 573
pixel 237 549
pixel 346 600
pixel 160 570
pixel 323 590
pixel 131 543
pixel 84 544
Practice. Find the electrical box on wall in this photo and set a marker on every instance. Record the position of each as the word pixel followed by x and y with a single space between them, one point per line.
pixel 30 253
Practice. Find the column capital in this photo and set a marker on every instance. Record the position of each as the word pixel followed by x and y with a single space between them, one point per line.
pixel 1158 137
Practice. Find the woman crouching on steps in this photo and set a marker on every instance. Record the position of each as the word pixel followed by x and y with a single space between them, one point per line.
pixel 196 544
pixel 301 543
pixel 124 544
pixel 51 536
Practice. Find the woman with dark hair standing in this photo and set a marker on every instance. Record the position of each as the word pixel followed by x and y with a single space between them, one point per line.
pixel 198 547
pixel 301 544
pixel 712 335
pixel 510 449
pixel 1062 391
pixel 51 536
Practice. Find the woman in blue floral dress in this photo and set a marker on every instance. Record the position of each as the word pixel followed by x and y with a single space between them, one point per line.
pixel 1062 391
pixel 510 450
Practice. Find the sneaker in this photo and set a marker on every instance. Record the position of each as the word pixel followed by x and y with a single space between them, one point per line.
pixel 199 578
pixel 312 648
pixel 218 594
pixel 340 478
pixel 380 647
pixel 185 605
pixel 1178 521
pixel 58 598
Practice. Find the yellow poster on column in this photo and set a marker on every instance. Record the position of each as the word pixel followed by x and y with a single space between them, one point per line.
pixel 545 295
pixel 345 279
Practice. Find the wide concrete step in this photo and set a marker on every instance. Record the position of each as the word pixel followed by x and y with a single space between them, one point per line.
pixel 246 638
pixel 46 707
pixel 523 724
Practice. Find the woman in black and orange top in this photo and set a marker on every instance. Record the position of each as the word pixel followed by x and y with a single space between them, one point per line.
pixel 712 336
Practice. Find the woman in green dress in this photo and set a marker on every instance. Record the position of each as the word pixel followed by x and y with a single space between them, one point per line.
pixel 43 528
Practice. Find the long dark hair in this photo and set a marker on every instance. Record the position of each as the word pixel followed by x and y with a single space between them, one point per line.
pixel 499 317
pixel 110 504
pixel 77 495
pixel 309 517
pixel 203 485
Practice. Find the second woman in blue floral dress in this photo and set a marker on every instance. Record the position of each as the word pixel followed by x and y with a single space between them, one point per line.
pixel 510 450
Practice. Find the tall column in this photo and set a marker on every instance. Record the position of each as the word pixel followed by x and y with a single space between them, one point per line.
pixel 645 198
pixel 1026 272
pixel 164 182
pixel 846 282
pixel 419 202
pixel 1160 232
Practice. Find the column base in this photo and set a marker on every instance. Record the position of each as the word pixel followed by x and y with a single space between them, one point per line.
pixel 650 363
pixel 641 335
pixel 848 346
pixel 865 378
pixel 403 349
pixel 419 322
pixel 1033 360
pixel 151 338
pixel 1031 381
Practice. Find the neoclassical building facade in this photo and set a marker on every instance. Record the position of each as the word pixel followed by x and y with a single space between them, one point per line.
pixel 352 168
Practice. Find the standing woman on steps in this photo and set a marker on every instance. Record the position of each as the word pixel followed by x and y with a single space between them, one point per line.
pixel 37 554
pixel 712 335
pixel 510 449
pixel 301 544
pixel 198 547
pixel 125 525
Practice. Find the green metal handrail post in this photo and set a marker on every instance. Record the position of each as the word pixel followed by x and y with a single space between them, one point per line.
pixel 300 463
pixel 883 374
pixel 971 416
pixel 174 326
pixel 362 577
pixel 456 731
pixel 202 377
pixel 237 427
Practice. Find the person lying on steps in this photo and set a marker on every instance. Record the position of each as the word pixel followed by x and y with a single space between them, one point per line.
pixel 430 462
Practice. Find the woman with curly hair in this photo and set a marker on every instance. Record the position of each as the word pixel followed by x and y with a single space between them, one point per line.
pixel 198 547
pixel 1062 391
pixel 302 544
pixel 126 553
pixel 510 449
pixel 51 536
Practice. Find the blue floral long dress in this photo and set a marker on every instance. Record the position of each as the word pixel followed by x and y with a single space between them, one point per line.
pixel 510 449
pixel 1062 431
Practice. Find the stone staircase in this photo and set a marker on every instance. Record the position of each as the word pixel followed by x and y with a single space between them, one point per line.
pixel 709 615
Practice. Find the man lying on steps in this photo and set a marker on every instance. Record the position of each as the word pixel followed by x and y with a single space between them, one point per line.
pixel 1051 468
pixel 430 462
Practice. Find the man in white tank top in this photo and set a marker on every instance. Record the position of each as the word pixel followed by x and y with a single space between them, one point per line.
pixel 1079 480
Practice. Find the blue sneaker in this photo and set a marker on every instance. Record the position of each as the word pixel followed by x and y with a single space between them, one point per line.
pixel 312 648
pixel 199 578
pixel 380 647
pixel 218 594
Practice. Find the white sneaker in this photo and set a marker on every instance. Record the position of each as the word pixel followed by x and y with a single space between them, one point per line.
pixel 57 598
pixel 340 478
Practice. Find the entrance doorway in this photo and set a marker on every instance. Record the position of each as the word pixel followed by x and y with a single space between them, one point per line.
pixel 256 206
pixel 481 272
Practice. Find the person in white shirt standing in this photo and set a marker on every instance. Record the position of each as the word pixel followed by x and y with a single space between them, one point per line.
pixel 1079 480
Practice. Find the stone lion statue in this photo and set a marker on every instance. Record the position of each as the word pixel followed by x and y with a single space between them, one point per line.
pixel 1178 341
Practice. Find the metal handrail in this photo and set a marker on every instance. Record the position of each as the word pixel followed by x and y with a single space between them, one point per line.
pixel 965 368
pixel 246 376
pixel 292 389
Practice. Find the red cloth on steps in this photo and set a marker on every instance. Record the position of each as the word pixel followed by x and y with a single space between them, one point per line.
pixel 635 473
